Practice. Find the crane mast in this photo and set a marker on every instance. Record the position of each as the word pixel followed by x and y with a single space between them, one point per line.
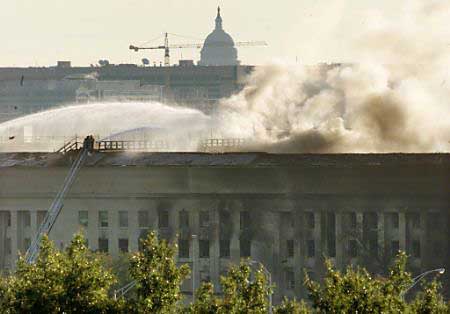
pixel 167 47
pixel 57 204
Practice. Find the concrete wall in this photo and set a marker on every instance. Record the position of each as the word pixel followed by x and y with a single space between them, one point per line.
pixel 291 216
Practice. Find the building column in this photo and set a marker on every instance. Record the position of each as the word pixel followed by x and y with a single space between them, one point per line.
pixel 317 240
pixel 234 241
pixel 133 231
pixel 13 234
pixel 380 234
pixel 195 271
pixel 339 241
pixel 299 251
pixel 113 228
pixel 214 259
pixel 153 219
pixel 402 231
pixel 33 224
pixel 92 229
pixel 423 240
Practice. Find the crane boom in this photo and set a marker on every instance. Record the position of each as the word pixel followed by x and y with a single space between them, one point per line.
pixel 167 47
pixel 57 204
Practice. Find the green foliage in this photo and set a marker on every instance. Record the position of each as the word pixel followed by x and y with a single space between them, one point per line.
pixel 292 307
pixel 430 301
pixel 205 301
pixel 77 281
pixel 243 294
pixel 157 276
pixel 243 291
pixel 356 291
pixel 73 281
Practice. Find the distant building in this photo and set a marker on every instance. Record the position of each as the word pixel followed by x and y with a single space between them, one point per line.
pixel 217 75
pixel 218 49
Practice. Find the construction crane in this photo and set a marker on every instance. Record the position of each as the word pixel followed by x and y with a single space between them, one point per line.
pixel 57 204
pixel 167 47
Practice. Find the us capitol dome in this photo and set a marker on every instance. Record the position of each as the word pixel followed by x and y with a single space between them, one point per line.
pixel 218 49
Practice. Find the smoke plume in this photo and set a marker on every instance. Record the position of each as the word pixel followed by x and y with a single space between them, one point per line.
pixel 395 100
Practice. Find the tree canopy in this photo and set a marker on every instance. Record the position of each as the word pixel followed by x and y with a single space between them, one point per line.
pixel 77 280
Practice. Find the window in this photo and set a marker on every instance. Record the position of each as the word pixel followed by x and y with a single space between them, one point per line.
pixel 103 219
pixel 415 220
pixel 163 219
pixel 184 219
pixel 6 216
pixel 83 218
pixel 395 247
pixel 40 216
pixel 26 217
pixel 395 220
pixel 290 248
pixel 143 219
pixel 291 219
pixel 245 220
pixel 310 220
pixel 103 245
pixel 123 219
pixel 204 219
pixel 416 249
pixel 373 244
pixel 245 248
pixel 353 221
pixel 8 249
pixel 27 242
pixel 204 276
pixel 434 221
pixel 224 248
pixel 183 248
pixel 352 248
pixel 311 248
pixel 123 245
pixel 290 279
pixel 204 248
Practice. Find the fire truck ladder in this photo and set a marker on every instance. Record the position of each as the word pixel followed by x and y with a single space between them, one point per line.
pixel 55 208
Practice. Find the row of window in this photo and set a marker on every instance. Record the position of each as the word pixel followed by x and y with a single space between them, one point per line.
pixel 245 247
pixel 184 247
pixel 354 247
pixel 370 219
pixel 143 219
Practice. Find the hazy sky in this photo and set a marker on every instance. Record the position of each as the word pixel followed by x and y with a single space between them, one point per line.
pixel 40 32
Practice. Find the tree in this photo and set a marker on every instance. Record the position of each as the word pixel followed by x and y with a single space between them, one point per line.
pixel 292 307
pixel 158 279
pixel 73 281
pixel 356 291
pixel 430 301
pixel 241 294
pixel 205 300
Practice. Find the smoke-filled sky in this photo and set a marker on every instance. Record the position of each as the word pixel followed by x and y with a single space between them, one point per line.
pixel 84 31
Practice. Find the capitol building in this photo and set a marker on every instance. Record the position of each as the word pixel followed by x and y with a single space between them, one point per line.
pixel 219 49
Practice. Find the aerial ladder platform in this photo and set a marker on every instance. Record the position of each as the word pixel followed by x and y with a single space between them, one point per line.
pixel 57 204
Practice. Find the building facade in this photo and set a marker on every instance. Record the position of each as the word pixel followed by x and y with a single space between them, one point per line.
pixel 288 212
pixel 28 90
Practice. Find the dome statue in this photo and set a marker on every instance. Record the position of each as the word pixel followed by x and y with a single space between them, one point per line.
pixel 218 48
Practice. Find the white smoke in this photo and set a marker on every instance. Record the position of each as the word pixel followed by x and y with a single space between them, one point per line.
pixel 50 129
pixel 395 100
